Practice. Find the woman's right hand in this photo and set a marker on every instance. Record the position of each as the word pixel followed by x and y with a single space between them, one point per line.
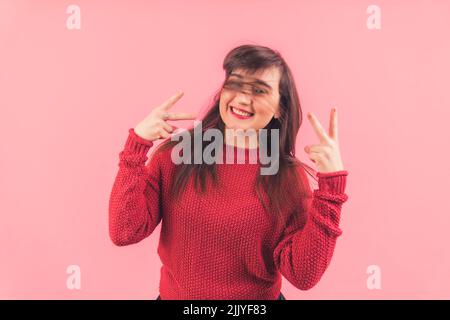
pixel 155 127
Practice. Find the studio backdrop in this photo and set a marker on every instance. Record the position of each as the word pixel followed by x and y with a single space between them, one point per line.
pixel 75 76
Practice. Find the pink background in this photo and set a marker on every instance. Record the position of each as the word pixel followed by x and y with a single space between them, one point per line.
pixel 68 97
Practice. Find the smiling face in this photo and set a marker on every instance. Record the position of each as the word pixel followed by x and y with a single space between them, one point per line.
pixel 250 101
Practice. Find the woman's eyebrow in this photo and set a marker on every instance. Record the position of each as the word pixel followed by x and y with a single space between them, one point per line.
pixel 256 80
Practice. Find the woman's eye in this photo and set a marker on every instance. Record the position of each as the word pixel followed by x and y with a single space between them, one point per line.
pixel 232 85
pixel 260 91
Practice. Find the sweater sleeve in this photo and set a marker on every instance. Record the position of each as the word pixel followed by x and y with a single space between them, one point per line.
pixel 134 206
pixel 304 252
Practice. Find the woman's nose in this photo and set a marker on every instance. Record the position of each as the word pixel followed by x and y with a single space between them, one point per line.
pixel 243 97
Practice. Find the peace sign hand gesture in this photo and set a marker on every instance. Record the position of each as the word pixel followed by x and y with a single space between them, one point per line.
pixel 325 155
pixel 155 127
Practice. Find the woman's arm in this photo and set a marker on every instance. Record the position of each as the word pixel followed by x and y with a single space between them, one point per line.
pixel 134 210
pixel 303 255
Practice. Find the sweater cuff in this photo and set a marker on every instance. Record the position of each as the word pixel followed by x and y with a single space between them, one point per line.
pixel 136 144
pixel 332 182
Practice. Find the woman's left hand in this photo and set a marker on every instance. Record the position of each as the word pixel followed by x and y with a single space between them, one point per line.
pixel 325 155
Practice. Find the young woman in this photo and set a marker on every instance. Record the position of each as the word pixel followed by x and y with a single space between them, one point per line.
pixel 228 231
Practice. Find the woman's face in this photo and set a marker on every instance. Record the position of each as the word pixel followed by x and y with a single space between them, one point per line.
pixel 250 101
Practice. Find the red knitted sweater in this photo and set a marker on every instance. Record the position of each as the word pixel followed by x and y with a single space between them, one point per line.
pixel 222 245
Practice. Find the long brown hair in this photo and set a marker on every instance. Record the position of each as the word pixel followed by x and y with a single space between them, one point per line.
pixel 284 187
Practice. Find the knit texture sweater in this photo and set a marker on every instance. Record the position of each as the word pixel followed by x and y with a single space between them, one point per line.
pixel 223 244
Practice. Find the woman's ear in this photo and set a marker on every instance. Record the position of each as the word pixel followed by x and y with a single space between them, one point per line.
pixel 276 115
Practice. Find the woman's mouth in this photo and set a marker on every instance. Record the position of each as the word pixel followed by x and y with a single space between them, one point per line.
pixel 240 114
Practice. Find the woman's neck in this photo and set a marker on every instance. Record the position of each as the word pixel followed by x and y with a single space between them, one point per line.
pixel 245 139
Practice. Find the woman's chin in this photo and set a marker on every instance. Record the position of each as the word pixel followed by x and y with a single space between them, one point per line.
pixel 236 124
pixel 238 127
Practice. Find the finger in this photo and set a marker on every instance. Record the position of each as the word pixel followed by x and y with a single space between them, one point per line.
pixel 317 148
pixel 171 101
pixel 179 131
pixel 323 137
pixel 180 116
pixel 333 130
pixel 164 134
pixel 315 157
pixel 167 127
